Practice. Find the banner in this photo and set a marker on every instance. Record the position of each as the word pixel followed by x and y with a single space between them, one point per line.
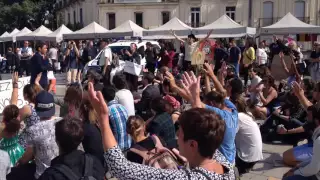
pixel 6 92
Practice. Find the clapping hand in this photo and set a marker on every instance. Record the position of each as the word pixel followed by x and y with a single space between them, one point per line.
pixel 209 69
pixel 298 91
pixel 170 78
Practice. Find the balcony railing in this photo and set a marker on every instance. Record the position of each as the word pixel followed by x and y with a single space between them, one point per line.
pixel 196 24
pixel 269 21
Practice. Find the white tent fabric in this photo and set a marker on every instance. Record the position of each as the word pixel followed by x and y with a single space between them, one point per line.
pixel 128 28
pixel 290 25
pixel 10 36
pixel 56 36
pixel 163 32
pixel 91 31
pixel 35 35
pixel 5 34
pixel 23 32
pixel 224 27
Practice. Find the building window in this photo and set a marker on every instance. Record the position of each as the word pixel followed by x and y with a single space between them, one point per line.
pixel 231 12
pixel 299 10
pixel 74 17
pixel 195 17
pixel 139 18
pixel 110 1
pixel 165 17
pixel 267 13
pixel 64 2
pixel 69 19
pixel 81 16
pixel 111 20
pixel 60 4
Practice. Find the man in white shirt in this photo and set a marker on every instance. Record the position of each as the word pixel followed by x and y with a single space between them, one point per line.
pixel 123 95
pixel 262 56
pixel 105 60
pixel 26 54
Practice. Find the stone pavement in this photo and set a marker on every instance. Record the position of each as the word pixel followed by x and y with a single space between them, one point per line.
pixel 265 169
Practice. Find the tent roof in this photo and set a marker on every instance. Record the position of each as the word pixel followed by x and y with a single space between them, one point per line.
pixel 128 28
pixel 23 32
pixel 14 32
pixel 36 34
pixel 90 31
pixel 224 27
pixel 5 34
pixel 57 34
pixel 290 24
pixel 180 28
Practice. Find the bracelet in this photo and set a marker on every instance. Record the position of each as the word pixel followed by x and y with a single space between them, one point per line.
pixel 15 85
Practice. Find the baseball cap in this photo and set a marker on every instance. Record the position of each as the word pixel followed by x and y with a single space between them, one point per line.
pixel 44 105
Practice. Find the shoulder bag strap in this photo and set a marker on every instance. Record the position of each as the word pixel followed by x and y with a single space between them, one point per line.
pixel 66 171
pixel 157 141
pixel 88 167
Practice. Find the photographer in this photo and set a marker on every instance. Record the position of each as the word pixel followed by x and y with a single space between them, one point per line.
pixel 135 57
pixel 72 55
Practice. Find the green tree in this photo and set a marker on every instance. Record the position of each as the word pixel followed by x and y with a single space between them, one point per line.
pixel 26 13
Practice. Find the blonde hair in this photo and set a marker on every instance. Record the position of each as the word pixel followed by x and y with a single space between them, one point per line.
pixel 135 125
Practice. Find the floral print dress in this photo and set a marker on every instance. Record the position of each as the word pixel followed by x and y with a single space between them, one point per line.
pixel 120 168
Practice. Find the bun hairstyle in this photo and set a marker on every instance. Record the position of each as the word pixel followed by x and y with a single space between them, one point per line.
pixel 10 119
pixel 135 125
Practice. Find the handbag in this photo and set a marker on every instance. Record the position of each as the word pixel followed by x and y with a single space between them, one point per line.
pixel 132 68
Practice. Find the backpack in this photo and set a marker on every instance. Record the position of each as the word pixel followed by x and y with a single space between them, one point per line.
pixel 159 157
pixel 70 175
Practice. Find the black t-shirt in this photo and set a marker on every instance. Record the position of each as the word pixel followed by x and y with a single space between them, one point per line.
pixel 315 55
pixel 234 54
pixel 92 141
pixel 148 144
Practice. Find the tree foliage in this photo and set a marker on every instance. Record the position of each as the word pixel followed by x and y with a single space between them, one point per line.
pixel 26 13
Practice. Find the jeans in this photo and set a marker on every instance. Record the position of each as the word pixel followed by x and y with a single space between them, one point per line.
pixel 298 177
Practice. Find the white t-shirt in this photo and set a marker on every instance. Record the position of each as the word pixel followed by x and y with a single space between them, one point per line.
pixel 253 96
pixel 125 98
pixel 189 50
pixel 248 139
pixel 106 53
pixel 262 56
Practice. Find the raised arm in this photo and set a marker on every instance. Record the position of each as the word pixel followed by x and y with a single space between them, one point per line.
pixel 14 95
pixel 175 36
pixel 181 92
pixel 215 80
pixel 298 91
pixel 283 63
pixel 207 37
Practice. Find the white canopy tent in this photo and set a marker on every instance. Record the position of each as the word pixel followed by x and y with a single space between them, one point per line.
pixel 224 27
pixel 5 34
pixel 23 32
pixel 91 31
pixel 56 36
pixel 163 32
pixel 38 34
pixel 128 28
pixel 290 25
pixel 10 36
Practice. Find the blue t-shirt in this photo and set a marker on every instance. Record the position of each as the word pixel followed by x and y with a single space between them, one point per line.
pixel 228 147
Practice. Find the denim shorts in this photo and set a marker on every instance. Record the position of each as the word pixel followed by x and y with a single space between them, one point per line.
pixel 303 152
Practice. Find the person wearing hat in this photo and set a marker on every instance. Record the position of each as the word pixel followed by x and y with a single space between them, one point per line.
pixel 191 46
pixel 40 141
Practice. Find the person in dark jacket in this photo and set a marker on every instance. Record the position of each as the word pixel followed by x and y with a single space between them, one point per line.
pixel 69 134
pixel 10 60
pixel 132 56
pixel 40 64
pixel 148 94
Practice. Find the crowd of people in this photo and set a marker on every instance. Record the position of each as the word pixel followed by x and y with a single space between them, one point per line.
pixel 188 122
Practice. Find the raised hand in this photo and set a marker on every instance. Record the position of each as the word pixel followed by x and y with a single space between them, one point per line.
pixel 15 78
pixel 209 69
pixel 191 85
pixel 98 103
pixel 297 89
pixel 170 78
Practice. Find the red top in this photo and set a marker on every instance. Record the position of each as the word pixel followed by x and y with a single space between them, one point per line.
pixel 167 59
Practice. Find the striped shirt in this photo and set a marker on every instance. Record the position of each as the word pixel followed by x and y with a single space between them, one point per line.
pixel 118 116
